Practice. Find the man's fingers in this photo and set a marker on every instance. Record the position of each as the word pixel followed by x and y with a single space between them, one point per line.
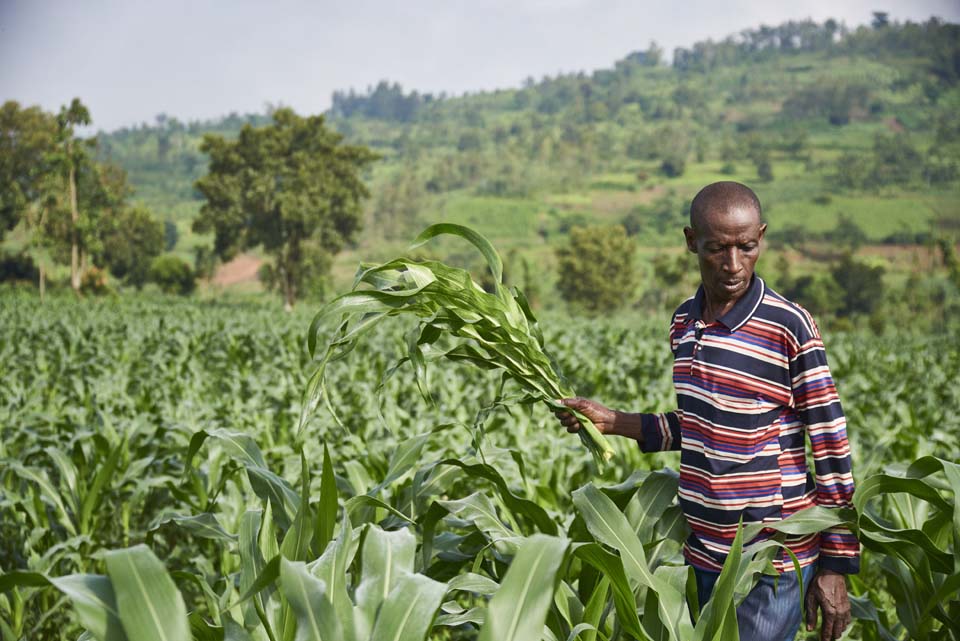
pixel 811 603
pixel 842 622
pixel 827 627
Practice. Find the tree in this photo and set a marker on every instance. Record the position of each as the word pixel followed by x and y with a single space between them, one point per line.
pixel 73 156
pixel 27 138
pixel 291 188
pixel 131 241
pixel 861 284
pixel 596 269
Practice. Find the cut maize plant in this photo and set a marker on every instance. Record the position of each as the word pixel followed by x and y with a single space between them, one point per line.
pixel 491 330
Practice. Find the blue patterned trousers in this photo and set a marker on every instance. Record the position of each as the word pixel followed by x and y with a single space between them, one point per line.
pixel 767 614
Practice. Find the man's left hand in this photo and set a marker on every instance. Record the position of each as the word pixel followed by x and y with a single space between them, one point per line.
pixel 828 592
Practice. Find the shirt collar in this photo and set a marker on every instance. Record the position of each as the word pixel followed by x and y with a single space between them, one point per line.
pixel 742 311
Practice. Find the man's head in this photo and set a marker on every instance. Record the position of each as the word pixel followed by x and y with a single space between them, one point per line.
pixel 725 233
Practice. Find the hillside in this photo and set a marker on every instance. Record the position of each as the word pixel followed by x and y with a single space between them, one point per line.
pixel 828 125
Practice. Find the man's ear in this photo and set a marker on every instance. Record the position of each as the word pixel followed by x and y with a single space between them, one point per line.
pixel 763 230
pixel 691 237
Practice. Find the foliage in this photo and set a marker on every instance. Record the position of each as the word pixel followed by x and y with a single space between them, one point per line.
pixel 282 187
pixel 26 140
pixel 493 331
pixel 178 432
pixel 861 285
pixel 130 243
pixel 595 269
pixel 172 274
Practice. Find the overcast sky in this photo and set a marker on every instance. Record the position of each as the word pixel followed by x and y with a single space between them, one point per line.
pixel 129 60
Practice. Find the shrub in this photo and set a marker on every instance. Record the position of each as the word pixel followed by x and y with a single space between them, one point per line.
pixel 596 269
pixel 94 281
pixel 172 274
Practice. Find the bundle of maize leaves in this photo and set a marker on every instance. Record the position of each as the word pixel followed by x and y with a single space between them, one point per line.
pixel 491 330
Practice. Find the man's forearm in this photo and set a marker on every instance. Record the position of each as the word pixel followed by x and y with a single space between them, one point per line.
pixel 628 425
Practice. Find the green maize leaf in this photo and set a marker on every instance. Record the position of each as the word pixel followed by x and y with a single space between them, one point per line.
pixel 263 580
pixel 284 500
pixel 610 567
pixel 240 446
pixel 519 506
pixel 862 608
pixel 204 525
pixel 95 604
pixel 22 579
pixel 386 557
pixel 718 617
pixel 470 582
pixel 94 493
pixel 609 526
pixel 327 509
pixel 233 631
pixel 657 493
pixel 519 608
pixel 583 631
pixel 91 595
pixel 203 631
pixel 408 610
pixel 479 510
pixel 478 241
pixel 306 594
pixel 476 616
pixel 884 483
pixel 296 542
pixel 68 476
pixel 403 459
pixel 251 563
pixel 592 613
pixel 331 569
pixel 357 502
pixel 150 606
pixel 47 491
pixel 497 327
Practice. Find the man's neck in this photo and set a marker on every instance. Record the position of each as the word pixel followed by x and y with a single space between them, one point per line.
pixel 714 310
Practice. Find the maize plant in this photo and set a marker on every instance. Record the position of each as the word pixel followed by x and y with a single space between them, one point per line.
pixel 165 443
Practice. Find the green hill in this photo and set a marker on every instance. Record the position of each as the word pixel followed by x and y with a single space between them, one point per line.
pixel 826 124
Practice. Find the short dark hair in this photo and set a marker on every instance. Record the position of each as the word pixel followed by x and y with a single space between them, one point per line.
pixel 725 194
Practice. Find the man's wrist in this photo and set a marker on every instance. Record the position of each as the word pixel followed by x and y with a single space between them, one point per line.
pixel 628 424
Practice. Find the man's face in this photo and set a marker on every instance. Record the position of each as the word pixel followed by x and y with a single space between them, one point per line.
pixel 727 244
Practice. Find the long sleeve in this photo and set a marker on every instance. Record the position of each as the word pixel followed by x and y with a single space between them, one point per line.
pixel 818 406
pixel 661 432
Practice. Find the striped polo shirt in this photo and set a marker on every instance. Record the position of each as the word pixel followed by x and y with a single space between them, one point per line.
pixel 750 386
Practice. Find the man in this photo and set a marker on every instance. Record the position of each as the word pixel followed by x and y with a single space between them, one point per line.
pixel 751 378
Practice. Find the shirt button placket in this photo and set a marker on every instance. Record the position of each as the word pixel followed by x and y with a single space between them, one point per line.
pixel 698 328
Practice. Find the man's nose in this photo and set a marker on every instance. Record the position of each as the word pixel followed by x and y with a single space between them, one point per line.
pixel 731 261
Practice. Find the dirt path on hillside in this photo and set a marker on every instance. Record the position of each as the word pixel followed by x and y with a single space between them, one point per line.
pixel 242 269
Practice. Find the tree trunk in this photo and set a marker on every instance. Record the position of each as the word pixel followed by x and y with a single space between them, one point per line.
pixel 75 236
pixel 288 291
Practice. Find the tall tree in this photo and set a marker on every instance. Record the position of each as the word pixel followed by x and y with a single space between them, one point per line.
pixel 27 138
pixel 292 188
pixel 74 154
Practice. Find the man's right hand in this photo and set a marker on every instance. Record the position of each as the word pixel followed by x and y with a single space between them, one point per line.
pixel 603 417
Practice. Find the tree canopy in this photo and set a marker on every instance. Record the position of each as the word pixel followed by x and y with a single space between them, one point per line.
pixel 292 188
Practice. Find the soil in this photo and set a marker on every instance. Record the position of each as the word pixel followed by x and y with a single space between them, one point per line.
pixel 242 269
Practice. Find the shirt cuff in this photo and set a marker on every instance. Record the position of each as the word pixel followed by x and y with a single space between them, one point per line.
pixel 840 564
pixel 656 433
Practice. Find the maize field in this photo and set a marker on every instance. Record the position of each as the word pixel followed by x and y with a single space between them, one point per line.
pixel 156 483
